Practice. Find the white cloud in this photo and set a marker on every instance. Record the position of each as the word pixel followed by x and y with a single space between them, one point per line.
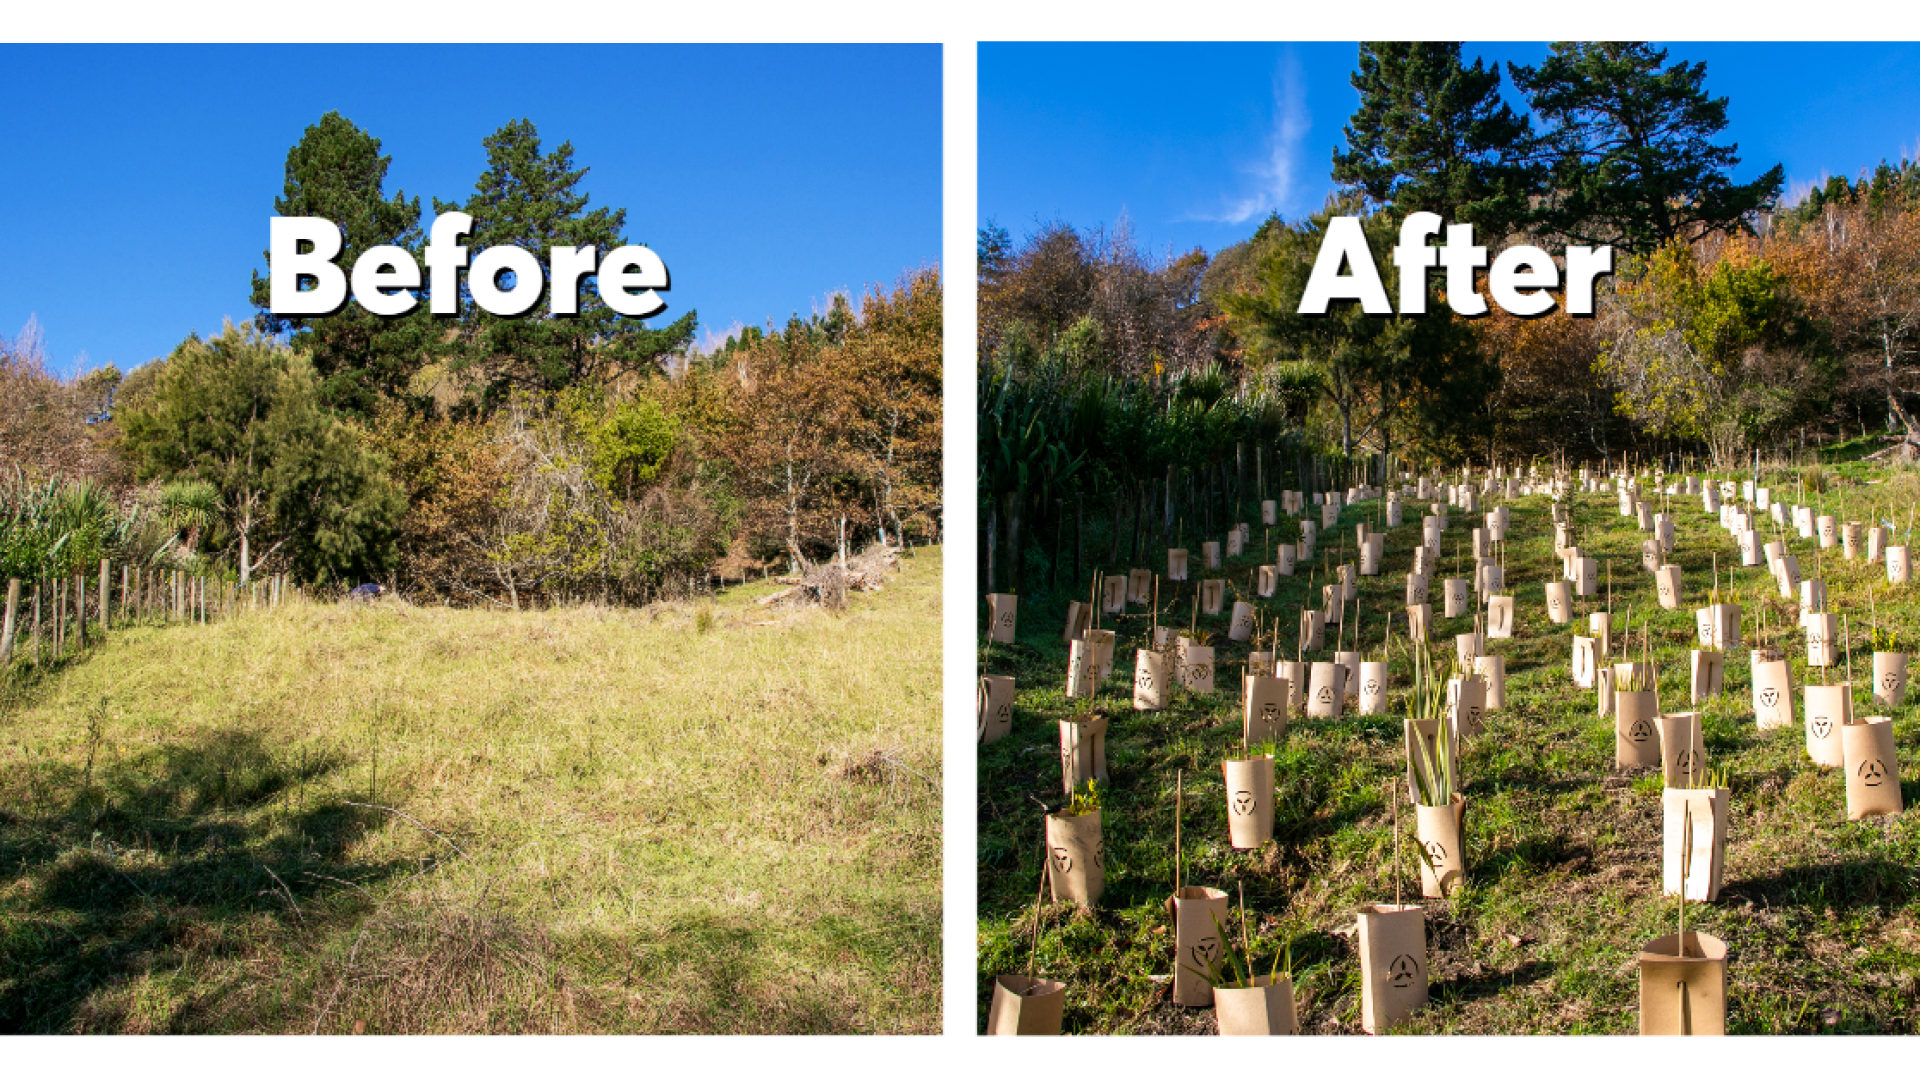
pixel 1274 174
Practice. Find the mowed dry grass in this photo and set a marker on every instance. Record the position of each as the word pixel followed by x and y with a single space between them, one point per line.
pixel 394 819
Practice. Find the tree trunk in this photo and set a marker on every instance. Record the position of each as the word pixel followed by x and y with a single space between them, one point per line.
pixel 1166 522
pixel 1014 559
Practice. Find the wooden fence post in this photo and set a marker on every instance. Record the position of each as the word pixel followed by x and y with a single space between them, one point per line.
pixel 6 634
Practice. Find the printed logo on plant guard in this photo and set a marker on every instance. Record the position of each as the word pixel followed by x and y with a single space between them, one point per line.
pixel 1640 731
pixel 1326 695
pixel 1403 971
pixel 1372 687
pixel 1769 697
pixel 1872 773
pixel 1243 803
pixel 1269 711
pixel 1063 860
pixel 1100 854
pixel 1206 951
pixel 1436 851
pixel 1822 727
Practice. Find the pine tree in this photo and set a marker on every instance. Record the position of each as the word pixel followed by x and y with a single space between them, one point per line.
pixel 532 201
pixel 336 171
pixel 1633 164
pixel 1431 134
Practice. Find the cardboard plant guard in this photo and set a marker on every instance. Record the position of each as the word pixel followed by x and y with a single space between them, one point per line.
pixel 1772 689
pixel 1373 687
pixel 1026 1006
pixel 1829 708
pixel 1585 662
pixel 1694 840
pixel 1152 680
pixel 1636 738
pixel 1083 751
pixel 1079 620
pixel 1467 703
pixel 1199 914
pixel 996 707
pixel 1240 626
pixel 1393 964
pixel 1873 772
pixel 1139 586
pixel 1313 631
pixel 1683 995
pixel 1265 1008
pixel 1499 616
pixel 1823 629
pixel 1666 581
pixel 1196 668
pixel 1249 800
pixel 1442 833
pixel 1077 857
pixel 1682 748
pixel 1080 670
pixel 1559 603
pixel 1889 679
pixel 1101 643
pixel 1493 676
pixel 1326 686
pixel 1419 621
pixel 1264 712
pixel 1708 671
pixel 1213 592
pixel 1176 564
pixel 1294 674
pixel 1349 664
pixel 1001 609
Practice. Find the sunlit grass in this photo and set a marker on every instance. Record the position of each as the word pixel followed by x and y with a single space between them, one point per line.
pixel 698 818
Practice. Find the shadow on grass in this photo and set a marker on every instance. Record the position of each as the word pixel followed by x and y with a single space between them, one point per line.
pixel 1872 882
pixel 206 848
pixel 733 973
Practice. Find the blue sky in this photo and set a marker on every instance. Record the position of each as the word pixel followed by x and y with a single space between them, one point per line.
pixel 140 178
pixel 1196 143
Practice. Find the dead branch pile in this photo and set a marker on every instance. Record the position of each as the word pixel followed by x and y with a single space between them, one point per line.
pixel 828 583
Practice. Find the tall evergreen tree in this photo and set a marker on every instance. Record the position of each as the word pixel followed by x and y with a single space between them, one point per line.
pixel 1630 141
pixel 1432 134
pixel 243 414
pixel 336 171
pixel 531 200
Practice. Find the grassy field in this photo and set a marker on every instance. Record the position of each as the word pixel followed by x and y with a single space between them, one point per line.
pixel 383 819
pixel 1821 916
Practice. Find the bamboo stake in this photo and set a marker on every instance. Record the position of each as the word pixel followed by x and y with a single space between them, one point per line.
pixel 1046 870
